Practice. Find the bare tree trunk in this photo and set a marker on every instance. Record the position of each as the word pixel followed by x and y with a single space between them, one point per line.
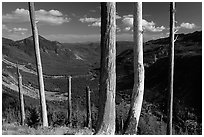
pixel 20 88
pixel 70 101
pixel 121 125
pixel 138 90
pixel 171 69
pixel 88 95
pixel 106 119
pixel 38 63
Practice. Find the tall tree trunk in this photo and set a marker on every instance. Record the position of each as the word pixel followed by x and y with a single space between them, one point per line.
pixel 138 90
pixel 20 88
pixel 171 69
pixel 106 119
pixel 88 99
pixel 38 63
pixel 69 101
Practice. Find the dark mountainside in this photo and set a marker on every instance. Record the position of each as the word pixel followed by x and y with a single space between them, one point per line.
pixel 187 77
pixel 82 61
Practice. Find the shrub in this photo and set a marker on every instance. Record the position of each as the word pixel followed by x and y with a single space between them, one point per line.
pixel 33 117
pixel 78 117
pixel 59 118
pixel 122 110
pixel 94 115
pixel 11 115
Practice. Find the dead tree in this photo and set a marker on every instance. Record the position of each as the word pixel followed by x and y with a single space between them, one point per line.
pixel 88 103
pixel 138 90
pixel 38 63
pixel 106 117
pixel 171 69
pixel 20 89
pixel 69 114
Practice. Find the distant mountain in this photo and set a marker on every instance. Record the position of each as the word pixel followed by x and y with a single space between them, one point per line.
pixel 190 37
pixel 6 41
pixel 64 57
pixel 186 44
pixel 27 45
pixel 57 58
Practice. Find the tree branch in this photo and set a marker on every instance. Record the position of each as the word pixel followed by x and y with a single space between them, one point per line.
pixel 176 38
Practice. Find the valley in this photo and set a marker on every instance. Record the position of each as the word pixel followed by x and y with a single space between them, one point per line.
pixel 82 62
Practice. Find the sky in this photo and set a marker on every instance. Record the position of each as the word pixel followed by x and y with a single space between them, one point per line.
pixel 77 22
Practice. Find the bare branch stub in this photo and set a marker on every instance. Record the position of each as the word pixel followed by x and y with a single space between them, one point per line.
pixel 176 38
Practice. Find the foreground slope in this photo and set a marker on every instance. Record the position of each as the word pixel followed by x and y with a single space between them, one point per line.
pixel 187 76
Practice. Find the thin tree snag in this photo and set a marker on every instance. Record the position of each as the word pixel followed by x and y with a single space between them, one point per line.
pixel 20 88
pixel 38 63
pixel 88 99
pixel 171 69
pixel 69 114
pixel 131 124
pixel 106 117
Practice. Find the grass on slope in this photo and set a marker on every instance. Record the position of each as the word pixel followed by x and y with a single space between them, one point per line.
pixel 16 129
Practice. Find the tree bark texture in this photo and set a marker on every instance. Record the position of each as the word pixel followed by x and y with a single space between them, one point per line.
pixel 131 124
pixel 20 88
pixel 38 63
pixel 171 69
pixel 106 118
pixel 88 99
pixel 69 100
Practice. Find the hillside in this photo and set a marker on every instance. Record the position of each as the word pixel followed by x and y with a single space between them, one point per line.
pixel 82 61
pixel 187 77
pixel 55 58
pixel 58 60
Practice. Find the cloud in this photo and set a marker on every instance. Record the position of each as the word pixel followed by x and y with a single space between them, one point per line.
pixel 52 17
pixel 4 27
pixel 188 25
pixel 14 33
pixel 127 28
pixel 20 12
pixel 118 29
pixel 20 29
pixel 149 26
pixel 96 22
pixel 17 16
pixel 55 13
pixel 128 20
pixel 117 17
pixel 89 20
